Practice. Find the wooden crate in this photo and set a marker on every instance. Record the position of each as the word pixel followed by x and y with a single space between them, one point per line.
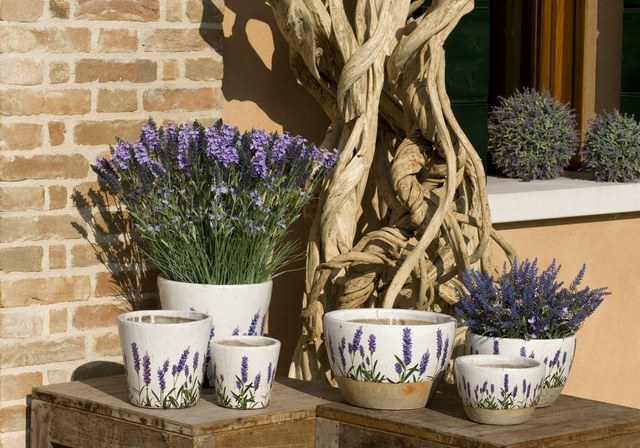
pixel 570 422
pixel 97 414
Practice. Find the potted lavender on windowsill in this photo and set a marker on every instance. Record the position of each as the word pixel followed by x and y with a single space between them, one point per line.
pixel 527 313
pixel 213 207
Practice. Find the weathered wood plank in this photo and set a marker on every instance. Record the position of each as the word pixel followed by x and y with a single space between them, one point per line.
pixel 292 434
pixel 570 421
pixel 291 400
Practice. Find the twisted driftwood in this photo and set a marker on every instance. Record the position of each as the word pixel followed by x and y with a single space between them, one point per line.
pixel 405 211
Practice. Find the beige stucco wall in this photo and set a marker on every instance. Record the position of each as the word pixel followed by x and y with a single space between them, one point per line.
pixel 260 91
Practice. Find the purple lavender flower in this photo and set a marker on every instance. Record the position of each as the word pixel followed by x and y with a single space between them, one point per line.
pixel 196 356
pixel 161 380
pixel 221 144
pixel 523 352
pixel 438 343
pixel 398 368
pixel 445 352
pixel 355 343
pixel 146 369
pixel 256 381
pixel 140 154
pixel 564 358
pixel 244 369
pixel 424 362
pixel 269 373
pixel 149 136
pixel 496 347
pixel 406 345
pixel 341 347
pixel 178 368
pixel 236 331
pixel 279 148
pixel 372 343
pixel 253 324
pixel 136 356
pixel 506 384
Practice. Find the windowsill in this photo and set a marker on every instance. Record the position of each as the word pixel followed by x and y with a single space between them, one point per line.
pixel 511 200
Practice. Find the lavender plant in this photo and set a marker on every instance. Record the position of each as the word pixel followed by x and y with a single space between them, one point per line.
pixel 612 148
pixel 214 205
pixel 524 304
pixel 532 135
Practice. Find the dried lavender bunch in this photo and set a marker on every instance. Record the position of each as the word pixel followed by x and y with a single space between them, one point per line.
pixel 612 148
pixel 532 135
pixel 524 304
pixel 213 205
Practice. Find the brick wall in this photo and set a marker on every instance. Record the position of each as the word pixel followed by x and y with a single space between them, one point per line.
pixel 73 75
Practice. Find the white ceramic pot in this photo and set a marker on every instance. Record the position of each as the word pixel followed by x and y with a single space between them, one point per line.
pixel 555 354
pixel 234 309
pixel 164 355
pixel 244 368
pixel 498 389
pixel 388 358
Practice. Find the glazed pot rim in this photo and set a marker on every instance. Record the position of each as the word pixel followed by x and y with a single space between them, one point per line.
pixel 269 341
pixel 240 285
pixel 348 315
pixel 133 317
pixel 504 362
pixel 537 340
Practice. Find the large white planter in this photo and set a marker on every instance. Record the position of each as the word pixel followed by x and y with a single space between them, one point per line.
pixel 555 354
pixel 235 310
pixel 164 355
pixel 388 358
pixel 244 368
pixel 499 389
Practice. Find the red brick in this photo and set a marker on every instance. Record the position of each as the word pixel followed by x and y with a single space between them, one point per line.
pixel 173 10
pixel 21 10
pixel 203 69
pixel 209 12
pixel 58 72
pixel 40 291
pixel 42 352
pixel 13 418
pixel 88 70
pixel 58 320
pixel 170 70
pixel 182 40
pixel 43 167
pixel 125 10
pixel 105 132
pixel 43 227
pixel 17 39
pixel 20 136
pixel 16 387
pixel 83 255
pixel 59 9
pixel 117 101
pixel 20 325
pixel 68 40
pixel 107 344
pixel 181 99
pixel 21 198
pixel 57 257
pixel 117 40
pixel 21 72
pixel 55 102
pixel 96 316
pixel 57 197
pixel 21 259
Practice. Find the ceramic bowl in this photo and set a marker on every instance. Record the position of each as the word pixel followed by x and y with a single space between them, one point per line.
pixel 498 389
pixel 388 358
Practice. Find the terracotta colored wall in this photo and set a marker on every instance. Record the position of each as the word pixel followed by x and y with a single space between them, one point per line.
pixel 74 74
pixel 260 91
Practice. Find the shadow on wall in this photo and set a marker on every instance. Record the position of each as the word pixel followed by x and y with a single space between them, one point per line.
pixel 116 247
pixel 254 38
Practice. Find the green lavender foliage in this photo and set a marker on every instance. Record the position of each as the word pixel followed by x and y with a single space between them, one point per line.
pixel 611 149
pixel 532 135
pixel 213 205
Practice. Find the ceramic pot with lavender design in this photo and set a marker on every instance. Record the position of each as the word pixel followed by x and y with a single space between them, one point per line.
pixel 164 356
pixel 498 389
pixel 243 370
pixel 555 354
pixel 388 358
pixel 235 310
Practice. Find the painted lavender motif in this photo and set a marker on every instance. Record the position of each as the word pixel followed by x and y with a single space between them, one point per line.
pixel 178 388
pixel 244 392
pixel 361 364
pixel 505 395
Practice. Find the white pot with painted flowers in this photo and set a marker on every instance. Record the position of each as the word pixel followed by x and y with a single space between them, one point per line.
pixel 527 313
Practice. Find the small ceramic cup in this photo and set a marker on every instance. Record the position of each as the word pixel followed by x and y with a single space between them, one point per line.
pixel 499 390
pixel 164 355
pixel 243 370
